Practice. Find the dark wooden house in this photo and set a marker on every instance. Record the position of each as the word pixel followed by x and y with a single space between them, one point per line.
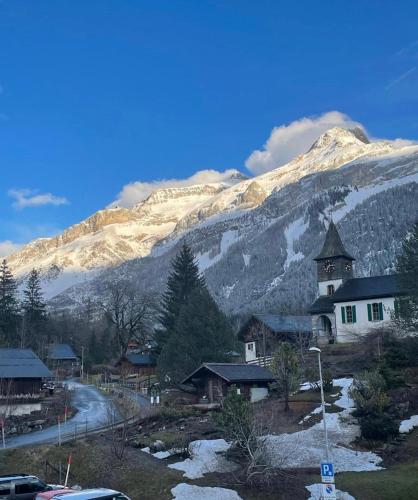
pixel 21 373
pixel 263 333
pixel 212 380
pixel 62 359
pixel 138 364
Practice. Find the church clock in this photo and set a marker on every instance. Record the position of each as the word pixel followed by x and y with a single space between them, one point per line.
pixel 328 266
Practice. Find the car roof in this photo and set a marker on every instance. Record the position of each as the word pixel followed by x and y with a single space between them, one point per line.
pixel 86 494
pixel 49 495
pixel 10 477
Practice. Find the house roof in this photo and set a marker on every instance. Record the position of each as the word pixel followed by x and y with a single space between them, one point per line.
pixel 333 246
pixel 368 288
pixel 61 351
pixel 22 363
pixel 140 359
pixel 323 304
pixel 233 372
pixel 286 324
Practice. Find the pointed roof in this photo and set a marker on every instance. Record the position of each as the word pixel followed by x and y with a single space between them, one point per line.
pixel 333 246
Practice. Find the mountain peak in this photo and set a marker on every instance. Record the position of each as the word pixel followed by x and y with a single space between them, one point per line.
pixel 341 137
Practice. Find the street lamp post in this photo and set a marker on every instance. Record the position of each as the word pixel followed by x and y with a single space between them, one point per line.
pixel 82 362
pixel 318 351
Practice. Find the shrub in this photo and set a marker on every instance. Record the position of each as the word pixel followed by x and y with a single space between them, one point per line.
pixel 379 426
pixel 328 380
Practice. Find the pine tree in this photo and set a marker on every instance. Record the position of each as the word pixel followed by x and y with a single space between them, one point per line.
pixel 407 269
pixel 201 334
pixel 9 308
pixel 183 279
pixel 34 309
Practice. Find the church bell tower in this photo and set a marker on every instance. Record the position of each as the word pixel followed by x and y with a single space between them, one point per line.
pixel 334 264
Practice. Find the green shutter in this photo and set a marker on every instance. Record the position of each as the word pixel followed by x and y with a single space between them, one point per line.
pixel 354 314
pixel 343 314
pixel 369 311
pixel 380 311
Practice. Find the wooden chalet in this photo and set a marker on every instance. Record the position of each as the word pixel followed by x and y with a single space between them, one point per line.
pixel 21 373
pixel 263 333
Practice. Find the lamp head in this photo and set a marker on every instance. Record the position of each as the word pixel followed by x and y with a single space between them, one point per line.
pixel 315 349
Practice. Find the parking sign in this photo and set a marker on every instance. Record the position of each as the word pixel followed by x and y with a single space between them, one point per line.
pixel 327 472
pixel 329 492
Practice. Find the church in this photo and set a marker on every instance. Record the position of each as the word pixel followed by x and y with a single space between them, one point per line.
pixel 347 307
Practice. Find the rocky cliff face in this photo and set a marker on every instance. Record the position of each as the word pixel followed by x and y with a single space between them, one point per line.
pixel 254 238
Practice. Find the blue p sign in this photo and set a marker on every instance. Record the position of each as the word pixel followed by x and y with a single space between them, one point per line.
pixel 327 472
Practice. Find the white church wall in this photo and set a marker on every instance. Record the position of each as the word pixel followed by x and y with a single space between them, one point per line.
pixel 350 332
pixel 323 286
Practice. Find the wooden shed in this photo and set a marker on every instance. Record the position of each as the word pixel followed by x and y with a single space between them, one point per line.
pixel 212 380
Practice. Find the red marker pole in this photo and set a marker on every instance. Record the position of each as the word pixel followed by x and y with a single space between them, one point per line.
pixel 68 470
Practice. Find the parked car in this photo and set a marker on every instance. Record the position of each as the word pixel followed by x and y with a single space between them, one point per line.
pixel 93 494
pixel 48 495
pixel 21 487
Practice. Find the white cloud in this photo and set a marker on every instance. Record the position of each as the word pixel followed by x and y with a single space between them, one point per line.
pixel 7 247
pixel 135 192
pixel 30 198
pixel 287 141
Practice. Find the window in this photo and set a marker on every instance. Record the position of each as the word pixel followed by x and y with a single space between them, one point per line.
pixel 348 314
pixel 330 289
pixel 29 487
pixel 4 489
pixel 251 347
pixel 375 311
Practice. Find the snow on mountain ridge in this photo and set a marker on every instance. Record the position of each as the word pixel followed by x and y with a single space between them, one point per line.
pixel 115 235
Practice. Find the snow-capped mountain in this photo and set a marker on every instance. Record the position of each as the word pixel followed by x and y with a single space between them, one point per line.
pixel 254 238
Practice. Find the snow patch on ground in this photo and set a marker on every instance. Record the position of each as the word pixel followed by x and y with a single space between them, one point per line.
pixel 205 458
pixel 409 424
pixel 185 491
pixel 315 491
pixel 306 448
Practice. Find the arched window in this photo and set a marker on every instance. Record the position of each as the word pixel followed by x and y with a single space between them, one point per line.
pixel 330 289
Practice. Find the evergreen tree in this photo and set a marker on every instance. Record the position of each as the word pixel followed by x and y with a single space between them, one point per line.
pixel 201 334
pixel 9 308
pixel 34 309
pixel 182 281
pixel 407 269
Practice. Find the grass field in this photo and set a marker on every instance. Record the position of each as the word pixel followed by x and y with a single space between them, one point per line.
pixel 400 482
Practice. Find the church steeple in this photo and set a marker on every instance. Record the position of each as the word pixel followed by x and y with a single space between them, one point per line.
pixel 334 263
pixel 333 246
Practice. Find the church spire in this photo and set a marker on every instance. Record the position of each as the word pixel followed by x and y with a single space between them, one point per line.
pixel 333 246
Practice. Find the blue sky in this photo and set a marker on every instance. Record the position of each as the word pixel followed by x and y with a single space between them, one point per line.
pixel 97 94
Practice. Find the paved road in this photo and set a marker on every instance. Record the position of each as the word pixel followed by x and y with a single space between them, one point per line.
pixel 93 412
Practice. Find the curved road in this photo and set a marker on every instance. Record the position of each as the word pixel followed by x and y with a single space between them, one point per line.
pixel 94 410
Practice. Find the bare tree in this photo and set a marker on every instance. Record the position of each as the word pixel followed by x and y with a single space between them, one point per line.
pixel 129 312
pixel 286 370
